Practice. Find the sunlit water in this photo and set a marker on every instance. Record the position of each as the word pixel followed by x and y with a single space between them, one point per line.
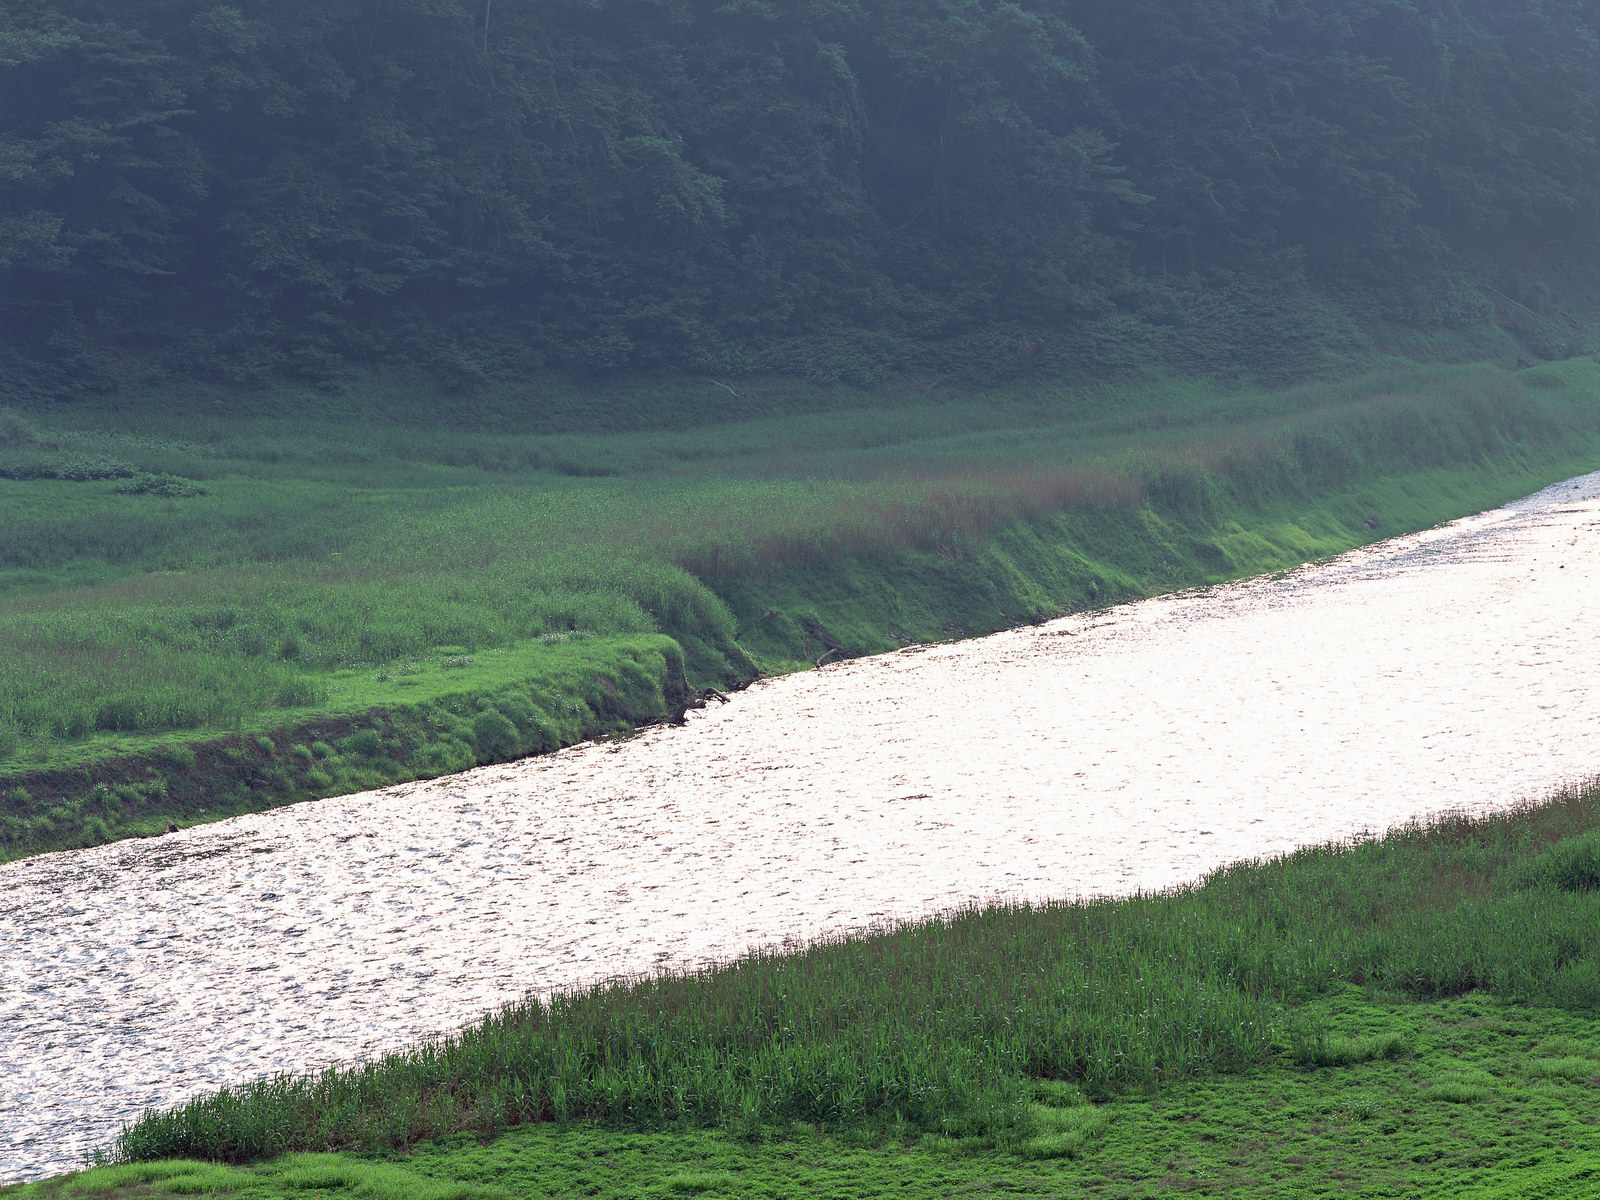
pixel 1134 748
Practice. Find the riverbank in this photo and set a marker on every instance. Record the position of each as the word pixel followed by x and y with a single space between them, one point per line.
pixel 227 613
pixel 1388 1018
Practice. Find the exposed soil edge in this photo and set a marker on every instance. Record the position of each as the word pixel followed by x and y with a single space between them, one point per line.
pixel 216 777
pixel 144 794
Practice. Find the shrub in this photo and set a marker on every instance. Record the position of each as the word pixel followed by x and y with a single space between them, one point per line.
pixel 15 431
pixel 75 470
pixel 364 742
pixel 1577 985
pixel 1318 1048
pixel 299 691
pixel 300 750
pixel 321 750
pixel 444 757
pixel 179 756
pixel 1569 866
pixel 517 710
pixel 148 484
pixel 494 734
pixel 119 713
pixel 267 745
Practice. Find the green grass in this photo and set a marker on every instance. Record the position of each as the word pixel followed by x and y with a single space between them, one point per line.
pixel 340 557
pixel 452 711
pixel 354 601
pixel 1465 1062
pixel 939 1027
pixel 1319 1048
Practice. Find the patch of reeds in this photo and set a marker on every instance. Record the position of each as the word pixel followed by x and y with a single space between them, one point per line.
pixel 939 1025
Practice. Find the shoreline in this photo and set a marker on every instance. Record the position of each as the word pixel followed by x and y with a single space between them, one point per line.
pixel 1225 500
pixel 1229 1007
pixel 622 685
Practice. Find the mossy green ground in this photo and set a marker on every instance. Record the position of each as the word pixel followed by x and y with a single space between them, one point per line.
pixel 1482 1099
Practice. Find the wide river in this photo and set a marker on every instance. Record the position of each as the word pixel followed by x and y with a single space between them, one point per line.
pixel 1132 748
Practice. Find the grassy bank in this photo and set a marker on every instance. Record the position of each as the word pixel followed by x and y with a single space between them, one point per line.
pixel 231 591
pixel 455 712
pixel 1485 1100
pixel 1408 1016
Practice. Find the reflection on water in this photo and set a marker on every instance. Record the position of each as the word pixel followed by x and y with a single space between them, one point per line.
pixel 1133 748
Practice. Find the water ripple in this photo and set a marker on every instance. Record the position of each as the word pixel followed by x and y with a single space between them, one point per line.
pixel 1133 748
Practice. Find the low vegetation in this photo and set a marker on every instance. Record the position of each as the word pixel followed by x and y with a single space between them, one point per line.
pixel 212 578
pixel 948 1027
pixel 1389 1018
pixel 1276 1132
pixel 1280 1131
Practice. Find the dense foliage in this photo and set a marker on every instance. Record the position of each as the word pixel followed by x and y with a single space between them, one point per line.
pixel 842 188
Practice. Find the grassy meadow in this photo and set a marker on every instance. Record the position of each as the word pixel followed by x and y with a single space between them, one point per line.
pixel 202 584
pixel 1407 1016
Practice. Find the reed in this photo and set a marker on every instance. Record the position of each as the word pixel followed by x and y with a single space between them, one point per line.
pixel 942 1025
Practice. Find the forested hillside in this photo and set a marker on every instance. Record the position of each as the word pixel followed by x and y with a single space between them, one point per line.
pixel 844 189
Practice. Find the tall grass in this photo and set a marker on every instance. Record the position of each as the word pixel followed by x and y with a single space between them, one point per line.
pixel 938 1024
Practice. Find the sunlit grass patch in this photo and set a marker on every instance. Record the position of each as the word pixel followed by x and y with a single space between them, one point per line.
pixel 1063 1132
pixel 1319 1048
pixel 365 1180
pixel 701 1183
pixel 1573 866
pixel 171 1178
pixel 1465 1086
pixel 1571 1067
pixel 1568 1047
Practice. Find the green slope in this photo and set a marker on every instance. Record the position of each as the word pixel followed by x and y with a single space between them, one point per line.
pixel 451 596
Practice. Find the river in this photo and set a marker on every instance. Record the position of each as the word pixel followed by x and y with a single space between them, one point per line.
pixel 1133 748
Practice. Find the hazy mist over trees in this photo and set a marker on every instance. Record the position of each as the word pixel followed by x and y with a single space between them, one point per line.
pixel 844 189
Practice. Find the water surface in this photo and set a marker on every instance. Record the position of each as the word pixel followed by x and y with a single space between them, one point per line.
pixel 1133 748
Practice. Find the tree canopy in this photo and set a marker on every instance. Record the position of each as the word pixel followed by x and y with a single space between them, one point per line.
pixel 839 188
